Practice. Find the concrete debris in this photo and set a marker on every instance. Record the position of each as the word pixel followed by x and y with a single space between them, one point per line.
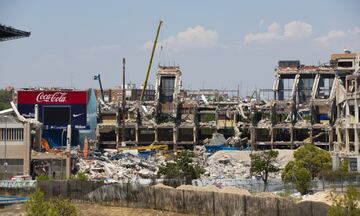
pixel 126 165
pixel 236 164
pixel 217 139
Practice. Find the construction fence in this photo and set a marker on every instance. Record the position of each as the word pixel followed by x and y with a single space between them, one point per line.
pixel 179 200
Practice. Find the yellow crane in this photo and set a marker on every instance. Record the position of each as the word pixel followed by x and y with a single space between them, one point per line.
pixel 150 62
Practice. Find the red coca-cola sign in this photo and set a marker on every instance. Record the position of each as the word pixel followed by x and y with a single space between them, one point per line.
pixel 52 97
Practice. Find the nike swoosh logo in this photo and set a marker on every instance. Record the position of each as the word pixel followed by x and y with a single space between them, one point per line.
pixel 76 115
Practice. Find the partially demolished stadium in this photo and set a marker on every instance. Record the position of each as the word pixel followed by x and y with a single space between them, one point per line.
pixel 308 104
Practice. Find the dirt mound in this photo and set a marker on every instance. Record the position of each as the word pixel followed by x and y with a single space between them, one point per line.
pixel 235 190
pixel 209 188
pixel 322 196
pixel 160 185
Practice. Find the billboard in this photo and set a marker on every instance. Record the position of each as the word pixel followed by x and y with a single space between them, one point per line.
pixel 56 108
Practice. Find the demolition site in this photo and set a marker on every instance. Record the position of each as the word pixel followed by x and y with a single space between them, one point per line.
pixel 52 128
pixel 126 133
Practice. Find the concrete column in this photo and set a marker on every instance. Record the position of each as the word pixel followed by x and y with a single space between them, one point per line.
pixel 358 163
pixel 339 135
pixel 155 134
pixel 117 133
pixel 68 155
pixel 194 134
pixel 234 120
pixel 335 163
pixel 27 146
pixel 136 133
pixel 175 135
pixel 252 138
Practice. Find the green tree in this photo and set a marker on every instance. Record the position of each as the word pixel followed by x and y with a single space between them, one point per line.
pixel 263 163
pixel 182 167
pixel 346 204
pixel 5 98
pixel 295 173
pixel 309 162
pixel 313 159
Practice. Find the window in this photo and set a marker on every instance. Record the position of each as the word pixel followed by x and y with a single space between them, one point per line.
pixel 11 134
pixel 167 88
pixel 345 64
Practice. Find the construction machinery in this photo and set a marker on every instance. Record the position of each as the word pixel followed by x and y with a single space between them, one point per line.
pixel 150 62
pixel 97 77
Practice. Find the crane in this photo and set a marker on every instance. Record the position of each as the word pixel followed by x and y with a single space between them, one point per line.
pixel 150 62
pixel 97 77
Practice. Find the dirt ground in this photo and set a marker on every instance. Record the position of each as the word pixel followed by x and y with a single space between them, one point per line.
pixel 88 210
pixel 96 210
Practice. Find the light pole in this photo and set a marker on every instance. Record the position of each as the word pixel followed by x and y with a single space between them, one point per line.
pixel 5 139
pixel 62 137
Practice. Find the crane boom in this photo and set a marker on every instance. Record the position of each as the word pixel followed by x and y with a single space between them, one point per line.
pixel 150 62
pixel 97 77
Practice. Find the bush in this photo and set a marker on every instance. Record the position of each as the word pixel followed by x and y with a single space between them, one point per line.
pixel 38 206
pixel 346 204
pixel 42 177
pixel 62 207
pixel 181 167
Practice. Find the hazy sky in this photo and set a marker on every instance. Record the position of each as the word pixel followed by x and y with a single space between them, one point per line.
pixel 217 44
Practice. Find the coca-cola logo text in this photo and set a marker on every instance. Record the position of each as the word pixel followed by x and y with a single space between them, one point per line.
pixel 56 97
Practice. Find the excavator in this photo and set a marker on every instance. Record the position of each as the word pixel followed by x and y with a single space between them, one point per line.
pixel 45 146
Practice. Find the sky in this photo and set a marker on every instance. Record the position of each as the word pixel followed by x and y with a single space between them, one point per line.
pixel 217 44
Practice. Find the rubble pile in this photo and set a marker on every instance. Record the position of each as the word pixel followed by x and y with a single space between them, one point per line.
pixel 121 166
pixel 236 164
pixel 227 165
pixel 130 165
